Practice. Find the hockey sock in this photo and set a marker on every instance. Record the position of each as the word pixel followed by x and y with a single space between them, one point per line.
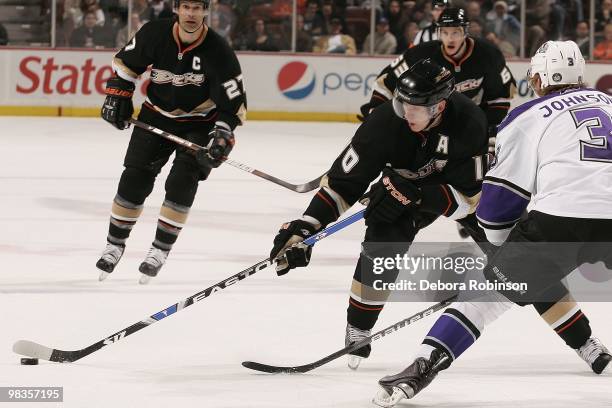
pixel 362 315
pixel 462 323
pixel 124 215
pixel 567 320
pixel 172 218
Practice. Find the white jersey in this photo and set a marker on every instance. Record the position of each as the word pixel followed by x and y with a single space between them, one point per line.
pixel 555 151
pixel 427 34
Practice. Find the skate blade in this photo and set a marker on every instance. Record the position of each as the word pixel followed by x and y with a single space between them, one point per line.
pixel 103 275
pixel 383 399
pixel 354 362
pixel 144 279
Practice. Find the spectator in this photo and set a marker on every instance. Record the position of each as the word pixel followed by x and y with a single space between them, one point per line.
pixel 92 5
pixel 3 35
pixel 72 13
pixel 603 16
pixel 336 42
pixel 582 37
pixel 384 41
pixel 504 46
pixel 406 41
pixel 157 9
pixel 312 16
pixel 537 12
pixel 215 25
pixel 259 40
pixel 303 41
pixel 324 25
pixel 88 35
pixel 123 36
pixel 408 9
pixel 603 50
pixel 505 26
pixel 396 18
pixel 476 28
pixel 225 16
pixel 557 14
pixel 115 21
pixel 473 10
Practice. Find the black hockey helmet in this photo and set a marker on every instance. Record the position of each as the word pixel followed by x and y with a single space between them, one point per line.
pixel 205 3
pixel 453 17
pixel 424 84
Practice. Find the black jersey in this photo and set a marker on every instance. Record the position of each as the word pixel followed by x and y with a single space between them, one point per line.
pixel 449 158
pixel 481 75
pixel 199 79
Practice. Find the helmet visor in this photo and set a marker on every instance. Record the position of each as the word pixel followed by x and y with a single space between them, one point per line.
pixel 413 113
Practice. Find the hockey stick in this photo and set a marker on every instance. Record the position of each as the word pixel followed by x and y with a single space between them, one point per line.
pixel 298 188
pixel 35 350
pixel 378 335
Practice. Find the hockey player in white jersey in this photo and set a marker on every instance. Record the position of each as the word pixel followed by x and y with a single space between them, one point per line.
pixel 555 151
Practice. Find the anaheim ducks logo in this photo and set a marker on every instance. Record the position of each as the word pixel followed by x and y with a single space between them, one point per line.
pixel 433 166
pixel 159 76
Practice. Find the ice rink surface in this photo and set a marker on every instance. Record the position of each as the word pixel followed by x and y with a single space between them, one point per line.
pixel 58 177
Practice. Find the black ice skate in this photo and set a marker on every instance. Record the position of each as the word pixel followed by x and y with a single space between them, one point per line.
pixel 412 380
pixel 353 335
pixel 156 258
pixel 595 354
pixel 109 259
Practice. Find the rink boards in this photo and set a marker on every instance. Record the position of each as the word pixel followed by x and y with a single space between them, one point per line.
pixel 280 86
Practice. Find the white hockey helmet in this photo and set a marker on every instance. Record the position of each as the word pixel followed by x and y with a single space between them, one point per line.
pixel 557 63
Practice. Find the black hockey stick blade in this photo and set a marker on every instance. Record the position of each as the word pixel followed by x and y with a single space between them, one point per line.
pixel 266 368
pixel 298 188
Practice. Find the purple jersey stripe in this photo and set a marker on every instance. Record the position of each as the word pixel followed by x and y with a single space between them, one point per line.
pixel 452 334
pixel 500 205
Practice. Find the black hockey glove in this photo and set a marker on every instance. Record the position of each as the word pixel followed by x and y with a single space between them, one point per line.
pixel 118 107
pixel 219 147
pixel 492 132
pixel 288 245
pixel 389 198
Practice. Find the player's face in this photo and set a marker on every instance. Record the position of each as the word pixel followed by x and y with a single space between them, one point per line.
pixel 452 39
pixel 191 15
pixel 418 117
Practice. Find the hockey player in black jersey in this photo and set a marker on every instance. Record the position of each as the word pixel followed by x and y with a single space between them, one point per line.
pixel 196 92
pixel 430 143
pixel 479 69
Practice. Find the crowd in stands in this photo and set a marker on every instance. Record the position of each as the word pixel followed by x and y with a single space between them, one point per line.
pixel 339 26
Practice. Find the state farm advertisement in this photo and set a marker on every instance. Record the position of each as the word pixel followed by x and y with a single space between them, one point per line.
pixel 274 82
pixel 56 78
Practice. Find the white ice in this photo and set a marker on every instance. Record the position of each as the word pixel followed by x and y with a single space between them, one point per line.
pixel 57 179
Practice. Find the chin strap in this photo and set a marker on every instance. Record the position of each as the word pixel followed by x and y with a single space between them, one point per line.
pixel 434 118
pixel 194 31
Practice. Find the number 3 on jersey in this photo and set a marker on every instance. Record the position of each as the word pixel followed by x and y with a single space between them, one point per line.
pixel 599 125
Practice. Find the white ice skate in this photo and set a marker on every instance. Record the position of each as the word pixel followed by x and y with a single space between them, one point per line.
pixel 109 259
pixel 354 335
pixel 595 354
pixel 156 258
